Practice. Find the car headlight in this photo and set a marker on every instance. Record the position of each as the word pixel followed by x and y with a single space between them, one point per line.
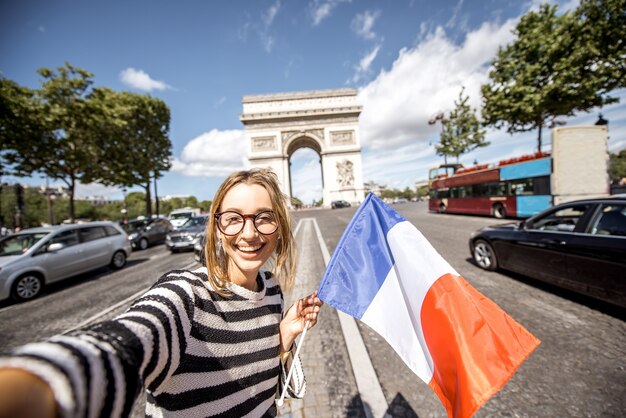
pixel 133 235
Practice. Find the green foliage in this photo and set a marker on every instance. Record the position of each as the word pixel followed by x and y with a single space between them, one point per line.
pixel 422 191
pixel 132 139
pixel 461 130
pixel 70 132
pixel 61 149
pixel 296 203
pixel 557 65
pixel 617 166
pixel 602 39
pixel 21 127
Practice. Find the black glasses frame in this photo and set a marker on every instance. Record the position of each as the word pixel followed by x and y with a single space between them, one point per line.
pixel 251 216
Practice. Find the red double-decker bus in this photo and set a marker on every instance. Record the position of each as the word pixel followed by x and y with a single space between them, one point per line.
pixel 518 187
pixel 576 168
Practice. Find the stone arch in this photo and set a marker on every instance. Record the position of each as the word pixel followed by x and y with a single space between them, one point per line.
pixel 326 121
pixel 295 143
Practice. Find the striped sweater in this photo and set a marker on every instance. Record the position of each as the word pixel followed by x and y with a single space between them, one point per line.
pixel 196 353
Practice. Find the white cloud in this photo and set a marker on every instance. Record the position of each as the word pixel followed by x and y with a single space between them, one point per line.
pixel 363 68
pixel 268 17
pixel 141 80
pixel 214 153
pixel 320 10
pixel 399 102
pixel 363 23
pixel 261 26
pixel 219 102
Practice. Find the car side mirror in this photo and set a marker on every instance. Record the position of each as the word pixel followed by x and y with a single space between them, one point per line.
pixel 55 246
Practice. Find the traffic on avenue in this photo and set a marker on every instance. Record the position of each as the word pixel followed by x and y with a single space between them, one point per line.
pixel 578 370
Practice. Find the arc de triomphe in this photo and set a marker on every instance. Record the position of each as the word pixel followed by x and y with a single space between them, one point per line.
pixel 326 121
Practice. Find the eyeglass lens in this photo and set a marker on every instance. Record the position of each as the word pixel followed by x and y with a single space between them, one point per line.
pixel 232 223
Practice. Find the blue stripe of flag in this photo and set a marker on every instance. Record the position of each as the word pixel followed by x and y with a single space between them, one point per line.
pixel 361 260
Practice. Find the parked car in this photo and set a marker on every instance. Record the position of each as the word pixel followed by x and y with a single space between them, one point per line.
pixel 144 232
pixel 178 217
pixel 185 237
pixel 400 200
pixel 36 257
pixel 577 245
pixel 336 204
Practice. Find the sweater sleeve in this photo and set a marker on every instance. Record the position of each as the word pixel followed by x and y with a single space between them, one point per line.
pixel 99 370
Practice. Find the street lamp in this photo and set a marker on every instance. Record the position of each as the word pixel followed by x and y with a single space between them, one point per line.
pixel 441 118
pixel 601 121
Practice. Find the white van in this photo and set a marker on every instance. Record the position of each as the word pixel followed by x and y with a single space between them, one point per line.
pixel 179 216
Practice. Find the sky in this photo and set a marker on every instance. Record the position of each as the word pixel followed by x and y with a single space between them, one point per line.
pixel 407 60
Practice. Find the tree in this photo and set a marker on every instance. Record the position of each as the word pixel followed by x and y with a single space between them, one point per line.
pixel 617 166
pixel 461 131
pixel 60 147
pixel 20 126
pixel 132 140
pixel 602 38
pixel 547 71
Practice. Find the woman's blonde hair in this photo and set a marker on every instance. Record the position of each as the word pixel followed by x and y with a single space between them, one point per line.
pixel 284 257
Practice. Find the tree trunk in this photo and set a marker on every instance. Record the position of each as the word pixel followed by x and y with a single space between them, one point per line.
pixel 72 209
pixel 540 125
pixel 148 199
pixel 156 195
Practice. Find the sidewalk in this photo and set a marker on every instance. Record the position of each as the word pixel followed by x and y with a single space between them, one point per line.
pixel 331 386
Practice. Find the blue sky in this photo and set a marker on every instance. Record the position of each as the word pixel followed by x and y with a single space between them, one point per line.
pixel 407 59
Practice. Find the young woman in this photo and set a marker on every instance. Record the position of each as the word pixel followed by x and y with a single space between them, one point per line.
pixel 213 342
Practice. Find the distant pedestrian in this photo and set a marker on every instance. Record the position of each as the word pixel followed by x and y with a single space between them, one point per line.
pixel 203 343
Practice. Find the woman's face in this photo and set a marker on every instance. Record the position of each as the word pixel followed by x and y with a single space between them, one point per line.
pixel 248 250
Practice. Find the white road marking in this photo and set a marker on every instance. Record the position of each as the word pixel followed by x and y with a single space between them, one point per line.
pixel 366 379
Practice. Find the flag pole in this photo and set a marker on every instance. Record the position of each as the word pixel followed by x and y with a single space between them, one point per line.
pixel 281 400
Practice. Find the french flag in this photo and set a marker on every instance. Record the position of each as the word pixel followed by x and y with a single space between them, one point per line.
pixel 386 274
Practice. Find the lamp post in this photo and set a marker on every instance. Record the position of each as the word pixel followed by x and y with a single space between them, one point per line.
pixel 439 117
pixel 601 121
pixel 156 194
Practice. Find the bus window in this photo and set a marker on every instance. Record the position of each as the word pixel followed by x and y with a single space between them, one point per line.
pixel 481 190
pixel 541 185
pixel 522 187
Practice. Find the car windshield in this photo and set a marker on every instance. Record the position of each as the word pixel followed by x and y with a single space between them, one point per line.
pixel 195 221
pixel 20 243
pixel 183 215
pixel 133 226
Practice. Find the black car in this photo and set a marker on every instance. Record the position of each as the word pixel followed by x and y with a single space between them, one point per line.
pixel 185 237
pixel 144 232
pixel 198 248
pixel 336 204
pixel 577 245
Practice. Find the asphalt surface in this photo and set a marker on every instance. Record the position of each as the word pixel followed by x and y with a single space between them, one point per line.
pixel 578 370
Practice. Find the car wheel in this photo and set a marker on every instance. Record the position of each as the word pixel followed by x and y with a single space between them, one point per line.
pixel 119 260
pixel 442 208
pixel 485 256
pixel 143 244
pixel 498 211
pixel 27 286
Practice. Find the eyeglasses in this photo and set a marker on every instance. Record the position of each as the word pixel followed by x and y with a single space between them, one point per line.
pixel 232 223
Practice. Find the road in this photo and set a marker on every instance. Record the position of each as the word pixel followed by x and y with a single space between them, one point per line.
pixel 578 370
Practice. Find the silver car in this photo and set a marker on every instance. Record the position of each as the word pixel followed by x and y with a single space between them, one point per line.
pixel 36 257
